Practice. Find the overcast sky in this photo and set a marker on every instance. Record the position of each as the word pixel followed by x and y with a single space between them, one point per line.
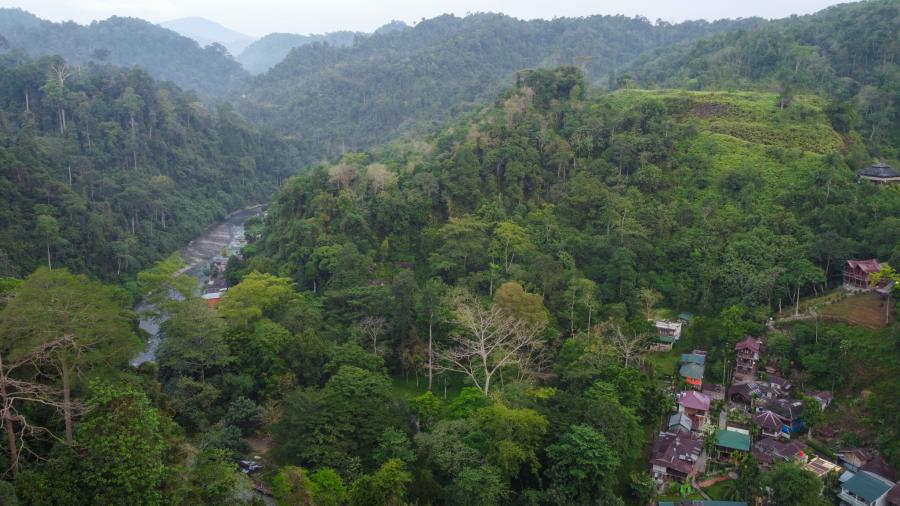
pixel 259 17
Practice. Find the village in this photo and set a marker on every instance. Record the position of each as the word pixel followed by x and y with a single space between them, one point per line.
pixel 759 415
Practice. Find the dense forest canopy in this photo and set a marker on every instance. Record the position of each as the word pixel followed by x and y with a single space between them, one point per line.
pixel 126 42
pixel 464 314
pixel 336 99
pixel 106 170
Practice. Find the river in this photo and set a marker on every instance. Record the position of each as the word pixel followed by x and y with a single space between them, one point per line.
pixel 225 238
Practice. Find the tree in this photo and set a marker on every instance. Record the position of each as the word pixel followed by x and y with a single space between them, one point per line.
pixel 481 486
pixel 291 487
pixel 629 348
pixel 386 487
pixel 516 302
pixel 373 327
pixel 887 275
pixel 194 340
pixel 327 487
pixel 50 305
pixel 812 413
pixel 489 341
pixel 256 296
pixel 122 446
pixel 649 299
pixel 582 468
pixel 510 240
pixel 643 486
pixel 791 485
pixel 48 228
pixel 512 437
pixel 430 302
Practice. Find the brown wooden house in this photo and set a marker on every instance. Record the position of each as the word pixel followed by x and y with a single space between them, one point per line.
pixel 747 356
pixel 858 273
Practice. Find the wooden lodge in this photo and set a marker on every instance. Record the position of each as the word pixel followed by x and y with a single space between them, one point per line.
pixel 858 273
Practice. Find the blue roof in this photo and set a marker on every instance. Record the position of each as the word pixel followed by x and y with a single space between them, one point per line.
pixel 691 371
pixel 866 486
pixel 693 358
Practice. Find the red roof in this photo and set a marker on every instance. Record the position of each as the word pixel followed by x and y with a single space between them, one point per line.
pixel 694 400
pixel 868 266
pixel 748 343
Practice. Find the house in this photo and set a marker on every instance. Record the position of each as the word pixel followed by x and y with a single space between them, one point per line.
pixel 824 397
pixel 747 356
pixel 213 298
pixel 692 367
pixel 865 489
pixel 745 393
pixel 769 423
pixel 789 412
pixel 712 390
pixel 893 496
pixel 667 333
pixel 769 451
pixel 665 328
pixel 779 385
pixel 820 467
pixel 695 405
pixel 854 458
pixel 685 318
pixel 680 422
pixel 675 456
pixel 731 439
pixel 880 173
pixel 877 466
pixel 858 274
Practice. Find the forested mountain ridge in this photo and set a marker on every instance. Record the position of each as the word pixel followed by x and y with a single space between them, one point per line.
pixel 268 51
pixel 690 193
pixel 847 52
pixel 335 99
pixel 575 214
pixel 105 170
pixel 126 42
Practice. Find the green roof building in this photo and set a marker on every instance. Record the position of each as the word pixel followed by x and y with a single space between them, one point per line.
pixel 733 440
pixel 864 488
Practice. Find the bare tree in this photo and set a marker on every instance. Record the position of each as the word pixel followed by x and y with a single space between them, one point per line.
pixel 628 348
pixel 14 392
pixel 490 340
pixel 373 327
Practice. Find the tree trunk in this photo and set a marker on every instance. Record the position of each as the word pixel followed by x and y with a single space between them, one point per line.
pixel 8 422
pixel 49 264
pixel 27 107
pixel 430 350
pixel 67 402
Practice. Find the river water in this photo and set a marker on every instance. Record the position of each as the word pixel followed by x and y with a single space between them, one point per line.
pixel 224 239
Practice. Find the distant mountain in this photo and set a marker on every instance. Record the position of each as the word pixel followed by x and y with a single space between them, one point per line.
pixel 404 78
pixel 205 32
pixel 268 51
pixel 126 42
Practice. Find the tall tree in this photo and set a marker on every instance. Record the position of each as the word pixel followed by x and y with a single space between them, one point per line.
pixel 50 305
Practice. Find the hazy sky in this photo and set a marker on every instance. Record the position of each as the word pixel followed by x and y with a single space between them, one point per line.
pixel 258 17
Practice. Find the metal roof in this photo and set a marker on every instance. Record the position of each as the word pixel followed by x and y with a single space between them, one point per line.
pixel 733 439
pixel 867 486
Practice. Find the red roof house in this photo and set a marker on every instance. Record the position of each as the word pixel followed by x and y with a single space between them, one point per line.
pixel 747 355
pixel 695 405
pixel 857 273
